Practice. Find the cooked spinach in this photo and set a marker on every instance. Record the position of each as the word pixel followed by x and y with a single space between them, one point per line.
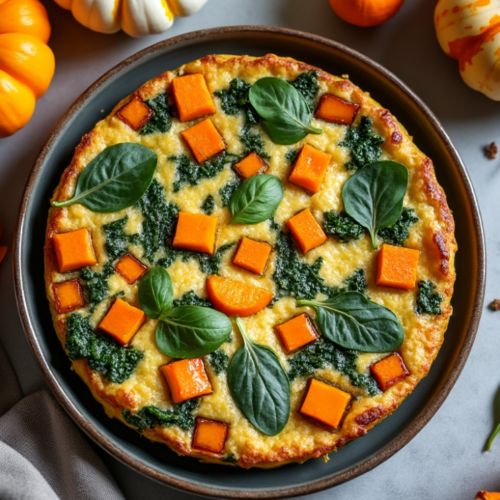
pixel 227 190
pixel 363 143
pixel 230 458
pixel 324 353
pixel 191 299
pixel 273 225
pixel 153 416
pixel 103 353
pixel 159 218
pixel 162 119
pixel 342 227
pixel 115 179
pixel 219 361
pixel 208 205
pixel 307 84
pixel 291 155
pixel 428 300
pixel 116 239
pixel 356 282
pixel 235 100
pixel 253 142
pixel 96 284
pixel 399 232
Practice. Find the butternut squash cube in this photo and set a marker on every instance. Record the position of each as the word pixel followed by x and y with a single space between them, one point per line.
pixel 306 231
pixel 252 255
pixel 297 333
pixel 210 435
pixel 487 495
pixel 135 113
pixel 310 168
pixel 130 268
pixel 325 403
pixel 389 371
pixel 68 296
pixel 397 267
pixel 335 110
pixel 74 250
pixel 203 140
pixel 122 321
pixel 251 165
pixel 192 97
pixel 196 232
pixel 186 379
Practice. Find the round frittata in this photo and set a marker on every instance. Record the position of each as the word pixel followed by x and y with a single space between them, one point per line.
pixel 210 140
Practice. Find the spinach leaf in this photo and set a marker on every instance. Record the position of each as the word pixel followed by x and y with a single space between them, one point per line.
pixel 259 385
pixel 353 321
pixel 286 116
pixel 256 199
pixel 192 331
pixel 115 179
pixel 156 293
pixel 374 195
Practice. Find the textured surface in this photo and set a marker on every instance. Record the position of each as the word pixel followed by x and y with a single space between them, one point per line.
pixel 457 433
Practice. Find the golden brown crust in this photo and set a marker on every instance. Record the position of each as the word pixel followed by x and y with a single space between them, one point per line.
pixel 366 413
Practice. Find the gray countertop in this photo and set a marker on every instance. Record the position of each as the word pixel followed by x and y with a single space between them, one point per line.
pixel 445 460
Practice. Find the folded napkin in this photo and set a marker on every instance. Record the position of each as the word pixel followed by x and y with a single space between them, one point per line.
pixel 43 455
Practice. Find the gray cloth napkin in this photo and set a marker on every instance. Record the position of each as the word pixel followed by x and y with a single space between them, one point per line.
pixel 43 455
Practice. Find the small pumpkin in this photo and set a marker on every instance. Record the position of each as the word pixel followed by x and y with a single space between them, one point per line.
pixel 366 13
pixel 26 62
pixel 135 17
pixel 469 31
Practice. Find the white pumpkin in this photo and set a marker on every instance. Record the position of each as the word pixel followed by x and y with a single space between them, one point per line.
pixel 469 31
pixel 135 17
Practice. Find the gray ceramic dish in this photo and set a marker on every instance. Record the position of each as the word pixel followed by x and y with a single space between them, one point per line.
pixel 155 460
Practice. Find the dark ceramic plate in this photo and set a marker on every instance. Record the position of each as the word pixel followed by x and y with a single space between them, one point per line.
pixel 155 460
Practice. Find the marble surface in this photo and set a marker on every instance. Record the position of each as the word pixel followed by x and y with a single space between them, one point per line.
pixel 446 459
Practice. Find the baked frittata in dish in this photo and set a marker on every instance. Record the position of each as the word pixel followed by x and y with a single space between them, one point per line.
pixel 250 261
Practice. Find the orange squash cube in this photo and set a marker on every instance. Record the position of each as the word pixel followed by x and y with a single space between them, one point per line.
pixel 74 250
pixel 235 298
pixel 130 268
pixel 186 379
pixel 306 231
pixel 203 140
pixel 209 435
pixel 192 97
pixel 122 321
pixel 196 232
pixel 252 255
pixel 487 495
pixel 297 333
pixel 397 267
pixel 251 165
pixel 335 110
pixel 325 403
pixel 389 371
pixel 68 296
pixel 135 113
pixel 310 168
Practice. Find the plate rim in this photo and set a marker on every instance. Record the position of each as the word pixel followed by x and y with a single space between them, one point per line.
pixel 100 438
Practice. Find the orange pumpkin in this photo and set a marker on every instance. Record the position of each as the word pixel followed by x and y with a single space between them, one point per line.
pixel 366 13
pixel 26 62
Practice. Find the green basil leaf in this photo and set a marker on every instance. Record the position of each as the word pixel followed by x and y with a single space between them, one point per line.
pixel 192 331
pixel 286 116
pixel 115 179
pixel 355 322
pixel 156 293
pixel 256 199
pixel 259 385
pixel 374 195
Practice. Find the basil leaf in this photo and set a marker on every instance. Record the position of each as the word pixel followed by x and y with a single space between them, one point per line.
pixel 286 116
pixel 259 385
pixel 256 199
pixel 192 331
pixel 374 195
pixel 115 179
pixel 156 293
pixel 355 322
